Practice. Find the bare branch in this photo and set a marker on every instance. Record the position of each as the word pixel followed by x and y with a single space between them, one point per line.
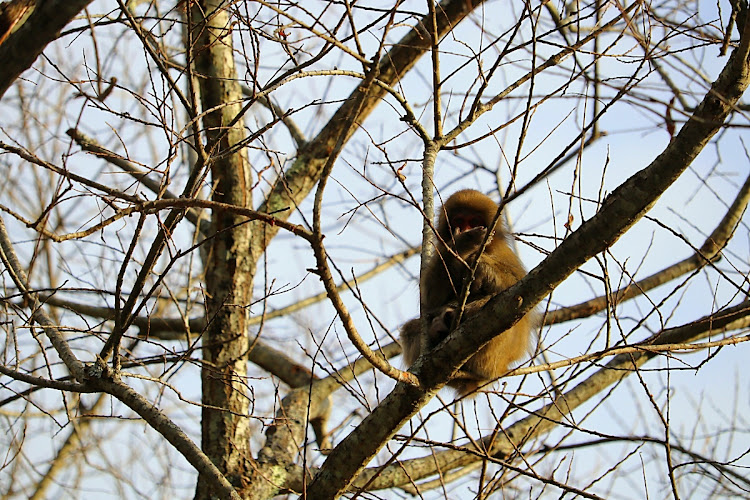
pixel 628 203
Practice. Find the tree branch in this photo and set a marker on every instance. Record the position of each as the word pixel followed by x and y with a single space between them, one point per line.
pixel 22 48
pixel 297 182
pixel 626 205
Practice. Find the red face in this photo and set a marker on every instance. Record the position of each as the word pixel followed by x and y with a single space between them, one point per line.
pixel 464 222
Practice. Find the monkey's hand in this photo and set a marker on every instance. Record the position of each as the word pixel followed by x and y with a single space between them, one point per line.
pixel 467 242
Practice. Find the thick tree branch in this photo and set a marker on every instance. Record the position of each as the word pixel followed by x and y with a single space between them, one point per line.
pixel 171 432
pixel 225 429
pixel 22 48
pixel 543 420
pixel 709 252
pixel 623 208
pixel 297 182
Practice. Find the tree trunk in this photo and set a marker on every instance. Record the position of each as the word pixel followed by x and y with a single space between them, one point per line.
pixel 228 267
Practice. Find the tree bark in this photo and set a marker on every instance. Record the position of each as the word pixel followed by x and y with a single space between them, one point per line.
pixel 19 51
pixel 619 211
pixel 225 436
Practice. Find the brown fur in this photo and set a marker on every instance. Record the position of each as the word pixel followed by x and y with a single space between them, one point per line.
pixel 499 268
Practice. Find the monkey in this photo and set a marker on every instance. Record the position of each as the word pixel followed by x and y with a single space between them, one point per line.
pixel 463 223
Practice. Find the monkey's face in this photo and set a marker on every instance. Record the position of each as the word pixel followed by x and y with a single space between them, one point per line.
pixel 466 231
pixel 463 222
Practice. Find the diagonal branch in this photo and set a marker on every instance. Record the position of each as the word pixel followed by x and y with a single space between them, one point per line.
pixel 546 418
pixel 18 275
pixel 171 432
pixel 296 183
pixel 22 48
pixel 623 208
pixel 709 252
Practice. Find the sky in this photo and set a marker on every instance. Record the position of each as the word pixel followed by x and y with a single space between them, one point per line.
pixel 367 217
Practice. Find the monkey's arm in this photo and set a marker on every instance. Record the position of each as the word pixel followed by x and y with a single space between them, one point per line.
pixel 439 325
pixel 468 242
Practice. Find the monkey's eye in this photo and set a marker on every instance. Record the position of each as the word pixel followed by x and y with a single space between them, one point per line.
pixel 462 222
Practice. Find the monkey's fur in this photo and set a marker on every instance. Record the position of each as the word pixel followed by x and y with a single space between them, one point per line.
pixel 463 223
